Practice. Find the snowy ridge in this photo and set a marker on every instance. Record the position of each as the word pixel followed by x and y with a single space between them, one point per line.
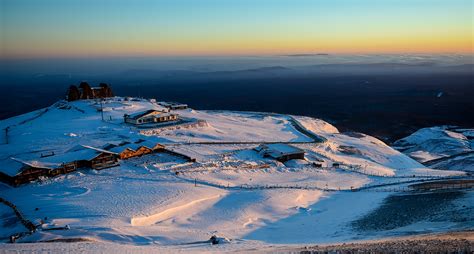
pixel 441 147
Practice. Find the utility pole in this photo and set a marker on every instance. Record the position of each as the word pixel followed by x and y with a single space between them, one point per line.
pixel 101 110
pixel 6 134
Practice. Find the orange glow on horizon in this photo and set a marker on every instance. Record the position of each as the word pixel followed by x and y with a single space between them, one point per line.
pixel 95 28
pixel 370 45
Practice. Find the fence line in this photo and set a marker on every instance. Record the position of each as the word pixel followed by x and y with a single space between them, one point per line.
pixel 368 188
pixel 194 123
pixel 28 224
pixel 349 168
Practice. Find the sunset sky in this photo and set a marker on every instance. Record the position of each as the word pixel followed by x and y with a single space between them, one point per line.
pixel 84 28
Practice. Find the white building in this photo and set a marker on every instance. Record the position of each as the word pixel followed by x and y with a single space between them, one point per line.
pixel 149 116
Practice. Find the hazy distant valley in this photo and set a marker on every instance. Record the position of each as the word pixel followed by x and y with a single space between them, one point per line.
pixel 387 96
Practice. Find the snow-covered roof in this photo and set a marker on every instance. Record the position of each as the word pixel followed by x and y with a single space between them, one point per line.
pixel 46 164
pixel 111 144
pixel 98 149
pixel 133 146
pixel 141 114
pixel 58 160
pixel 278 150
pixel 14 166
pixel 172 103
pixel 147 143
pixel 75 148
pixel 11 167
pixel 118 149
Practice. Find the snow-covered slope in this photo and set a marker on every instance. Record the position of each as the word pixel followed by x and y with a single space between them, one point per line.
pixel 231 190
pixel 371 155
pixel 441 147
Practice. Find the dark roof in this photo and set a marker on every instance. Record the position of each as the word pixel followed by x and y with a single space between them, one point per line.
pixel 278 150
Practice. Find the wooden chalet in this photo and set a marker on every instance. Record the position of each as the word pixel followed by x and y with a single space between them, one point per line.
pixel 15 172
pixel 280 152
pixel 95 158
pixel 128 150
pixel 149 116
pixel 19 171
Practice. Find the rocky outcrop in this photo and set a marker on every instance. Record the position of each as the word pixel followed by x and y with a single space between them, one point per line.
pixel 85 91
pixel 73 93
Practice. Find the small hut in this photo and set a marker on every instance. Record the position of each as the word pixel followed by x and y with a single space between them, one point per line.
pixel 280 152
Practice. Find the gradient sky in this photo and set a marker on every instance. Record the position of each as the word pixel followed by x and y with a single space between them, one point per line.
pixel 85 28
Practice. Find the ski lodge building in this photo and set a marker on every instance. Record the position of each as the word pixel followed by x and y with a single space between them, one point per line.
pixel 280 152
pixel 149 116
pixel 16 171
pixel 127 150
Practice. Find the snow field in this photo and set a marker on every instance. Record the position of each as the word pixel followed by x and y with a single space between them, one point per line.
pixel 162 200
